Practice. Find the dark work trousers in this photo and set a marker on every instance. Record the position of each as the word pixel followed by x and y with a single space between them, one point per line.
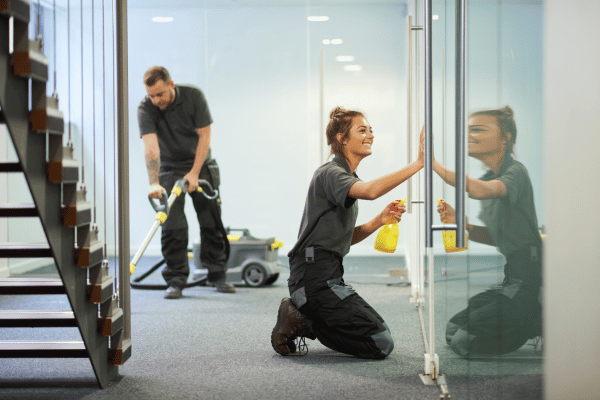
pixel 499 320
pixel 333 312
pixel 213 254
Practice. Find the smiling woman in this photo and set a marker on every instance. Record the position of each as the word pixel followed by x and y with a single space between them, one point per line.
pixel 322 306
pixel 501 319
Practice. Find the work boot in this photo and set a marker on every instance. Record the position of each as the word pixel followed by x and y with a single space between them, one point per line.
pixel 173 292
pixel 219 281
pixel 290 324
pixel 223 286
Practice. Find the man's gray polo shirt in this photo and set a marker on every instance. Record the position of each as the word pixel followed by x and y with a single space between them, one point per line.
pixel 176 127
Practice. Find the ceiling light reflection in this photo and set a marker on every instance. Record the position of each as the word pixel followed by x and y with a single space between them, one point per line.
pixel 353 68
pixel 162 19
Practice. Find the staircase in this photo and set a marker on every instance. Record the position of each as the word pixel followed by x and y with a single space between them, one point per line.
pixel 59 203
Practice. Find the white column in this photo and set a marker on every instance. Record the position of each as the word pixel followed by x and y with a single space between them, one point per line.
pixel 572 192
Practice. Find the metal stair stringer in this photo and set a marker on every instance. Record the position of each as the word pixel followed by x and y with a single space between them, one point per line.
pixel 31 152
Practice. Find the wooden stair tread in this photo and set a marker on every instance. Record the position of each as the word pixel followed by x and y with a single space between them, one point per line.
pixel 36 349
pixel 64 171
pixel 31 286
pixel 18 210
pixel 11 167
pixel 28 344
pixel 25 250
pixel 36 318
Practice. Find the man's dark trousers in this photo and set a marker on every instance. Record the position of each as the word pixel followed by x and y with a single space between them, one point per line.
pixel 174 237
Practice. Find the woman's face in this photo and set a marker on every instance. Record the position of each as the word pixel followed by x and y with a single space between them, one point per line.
pixel 485 137
pixel 359 139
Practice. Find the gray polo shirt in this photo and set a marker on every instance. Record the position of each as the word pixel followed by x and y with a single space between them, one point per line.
pixel 176 127
pixel 511 220
pixel 329 214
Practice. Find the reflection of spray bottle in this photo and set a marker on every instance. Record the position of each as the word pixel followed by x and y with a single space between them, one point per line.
pixel 387 238
pixel 450 238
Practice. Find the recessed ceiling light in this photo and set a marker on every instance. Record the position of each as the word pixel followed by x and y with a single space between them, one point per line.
pixel 326 41
pixel 337 41
pixel 435 17
pixel 344 58
pixel 162 19
pixel 317 18
pixel 353 68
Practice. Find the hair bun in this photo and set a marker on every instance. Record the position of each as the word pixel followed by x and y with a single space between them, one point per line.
pixel 507 111
pixel 335 111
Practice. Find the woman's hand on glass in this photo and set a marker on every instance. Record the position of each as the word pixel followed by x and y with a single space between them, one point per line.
pixel 421 156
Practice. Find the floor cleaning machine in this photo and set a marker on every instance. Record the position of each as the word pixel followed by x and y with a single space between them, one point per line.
pixel 250 261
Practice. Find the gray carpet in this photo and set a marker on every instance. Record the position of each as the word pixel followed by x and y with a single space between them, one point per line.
pixel 209 345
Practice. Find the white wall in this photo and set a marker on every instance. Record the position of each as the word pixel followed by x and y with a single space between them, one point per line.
pixel 259 69
pixel 572 273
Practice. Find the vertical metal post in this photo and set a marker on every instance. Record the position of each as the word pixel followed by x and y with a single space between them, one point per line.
pixel 415 261
pixel 461 20
pixel 321 105
pixel 428 127
pixel 123 157
pixel 431 366
pixel 409 107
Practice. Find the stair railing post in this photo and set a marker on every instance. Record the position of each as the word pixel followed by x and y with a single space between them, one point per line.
pixel 123 169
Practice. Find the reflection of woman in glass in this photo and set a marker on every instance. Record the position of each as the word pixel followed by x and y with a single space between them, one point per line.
pixel 322 306
pixel 501 319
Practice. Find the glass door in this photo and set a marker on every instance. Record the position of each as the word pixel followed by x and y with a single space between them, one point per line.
pixel 487 310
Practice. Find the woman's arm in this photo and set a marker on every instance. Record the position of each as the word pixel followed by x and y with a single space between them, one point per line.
pixel 390 214
pixel 479 234
pixel 378 187
pixel 476 188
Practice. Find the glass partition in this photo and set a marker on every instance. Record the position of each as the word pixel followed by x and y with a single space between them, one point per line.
pixel 272 72
pixel 499 281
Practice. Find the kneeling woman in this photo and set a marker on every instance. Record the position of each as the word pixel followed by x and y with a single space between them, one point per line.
pixel 322 306
pixel 501 319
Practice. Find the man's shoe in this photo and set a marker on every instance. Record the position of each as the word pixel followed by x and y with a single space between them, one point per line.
pixel 173 292
pixel 290 324
pixel 223 286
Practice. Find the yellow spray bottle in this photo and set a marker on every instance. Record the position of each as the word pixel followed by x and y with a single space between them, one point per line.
pixel 450 239
pixel 387 238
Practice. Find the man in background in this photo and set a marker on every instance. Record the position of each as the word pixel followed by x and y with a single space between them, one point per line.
pixel 174 123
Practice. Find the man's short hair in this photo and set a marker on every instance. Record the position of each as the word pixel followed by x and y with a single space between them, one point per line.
pixel 155 74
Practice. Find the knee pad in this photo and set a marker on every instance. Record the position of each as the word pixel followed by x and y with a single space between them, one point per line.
pixel 460 342
pixel 384 342
pixel 451 330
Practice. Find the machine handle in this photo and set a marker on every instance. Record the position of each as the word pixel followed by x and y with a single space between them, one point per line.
pixel 160 204
pixel 215 192
pixel 245 232
pixel 163 204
